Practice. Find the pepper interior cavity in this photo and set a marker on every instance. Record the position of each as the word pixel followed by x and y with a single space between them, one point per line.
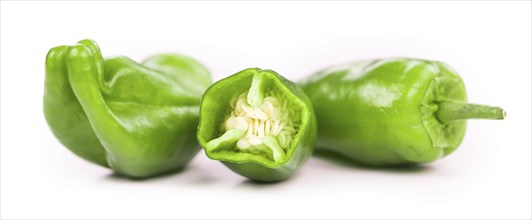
pixel 261 121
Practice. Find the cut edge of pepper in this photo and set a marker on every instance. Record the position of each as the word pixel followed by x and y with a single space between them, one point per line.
pixel 256 95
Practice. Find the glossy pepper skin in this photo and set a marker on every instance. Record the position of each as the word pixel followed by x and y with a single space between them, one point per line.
pixel 228 103
pixel 139 119
pixel 392 111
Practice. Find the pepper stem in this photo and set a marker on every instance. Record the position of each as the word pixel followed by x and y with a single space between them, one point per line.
pixel 450 111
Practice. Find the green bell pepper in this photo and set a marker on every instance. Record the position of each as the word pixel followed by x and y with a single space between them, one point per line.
pixel 138 119
pixel 259 124
pixel 392 111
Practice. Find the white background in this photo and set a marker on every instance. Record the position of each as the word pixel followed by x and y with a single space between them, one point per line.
pixel 489 43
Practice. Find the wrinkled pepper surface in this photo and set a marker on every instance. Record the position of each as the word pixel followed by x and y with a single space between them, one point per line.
pixel 257 123
pixel 139 119
pixel 392 111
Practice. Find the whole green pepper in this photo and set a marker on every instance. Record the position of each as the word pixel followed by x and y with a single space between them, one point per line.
pixel 392 111
pixel 258 124
pixel 138 119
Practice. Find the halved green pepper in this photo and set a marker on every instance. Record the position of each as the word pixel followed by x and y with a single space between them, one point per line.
pixel 392 111
pixel 259 124
pixel 138 119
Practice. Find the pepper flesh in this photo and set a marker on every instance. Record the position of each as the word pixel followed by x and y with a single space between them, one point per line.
pixel 140 120
pixel 392 111
pixel 258 124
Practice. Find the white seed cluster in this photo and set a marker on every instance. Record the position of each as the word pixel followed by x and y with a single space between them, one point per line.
pixel 275 117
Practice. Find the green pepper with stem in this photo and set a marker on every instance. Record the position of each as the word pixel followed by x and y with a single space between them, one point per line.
pixel 392 111
pixel 257 123
pixel 139 119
